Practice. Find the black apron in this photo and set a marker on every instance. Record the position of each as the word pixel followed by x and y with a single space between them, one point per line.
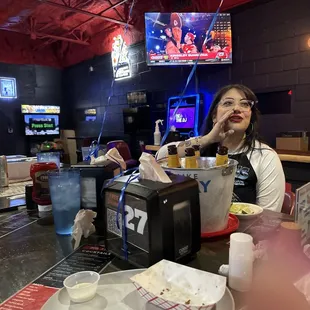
pixel 245 180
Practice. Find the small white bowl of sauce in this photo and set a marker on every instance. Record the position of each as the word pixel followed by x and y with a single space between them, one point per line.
pixel 82 286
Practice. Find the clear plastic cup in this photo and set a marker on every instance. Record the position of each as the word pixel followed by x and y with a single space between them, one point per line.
pixel 64 186
pixel 82 286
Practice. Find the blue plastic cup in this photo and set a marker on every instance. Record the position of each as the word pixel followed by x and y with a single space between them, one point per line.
pixel 66 198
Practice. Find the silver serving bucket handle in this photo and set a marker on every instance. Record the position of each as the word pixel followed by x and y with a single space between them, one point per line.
pixel 216 188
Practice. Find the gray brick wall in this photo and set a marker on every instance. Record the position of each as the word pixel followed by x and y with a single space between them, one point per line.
pixel 35 85
pixel 271 52
pixel 83 89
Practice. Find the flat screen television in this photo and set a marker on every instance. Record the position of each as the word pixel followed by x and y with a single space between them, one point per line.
pixel 90 118
pixel 184 118
pixel 179 38
pixel 41 124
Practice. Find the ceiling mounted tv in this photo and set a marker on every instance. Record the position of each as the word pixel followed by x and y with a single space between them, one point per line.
pixel 181 38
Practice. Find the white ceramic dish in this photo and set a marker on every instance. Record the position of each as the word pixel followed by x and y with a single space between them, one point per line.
pixel 257 211
pixel 82 286
pixel 116 292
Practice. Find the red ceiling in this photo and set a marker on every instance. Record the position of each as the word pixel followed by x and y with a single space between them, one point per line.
pixel 61 33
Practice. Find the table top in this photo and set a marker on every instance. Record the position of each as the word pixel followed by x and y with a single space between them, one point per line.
pixel 29 247
pixel 14 189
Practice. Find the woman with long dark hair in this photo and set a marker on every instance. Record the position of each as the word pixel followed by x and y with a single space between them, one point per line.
pixel 233 122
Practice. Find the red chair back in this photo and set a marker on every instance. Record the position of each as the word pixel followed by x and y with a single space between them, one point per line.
pixel 288 187
pixel 122 148
pixel 288 203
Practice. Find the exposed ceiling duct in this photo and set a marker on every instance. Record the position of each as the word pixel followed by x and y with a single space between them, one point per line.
pixel 64 32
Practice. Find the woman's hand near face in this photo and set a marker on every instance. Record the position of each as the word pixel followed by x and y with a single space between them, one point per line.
pixel 218 132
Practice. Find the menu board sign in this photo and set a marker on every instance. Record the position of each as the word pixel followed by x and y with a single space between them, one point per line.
pixel 89 257
pixel 302 212
pixel 35 295
pixel 31 297
pixel 136 220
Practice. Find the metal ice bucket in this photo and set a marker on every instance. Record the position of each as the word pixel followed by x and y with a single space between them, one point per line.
pixel 216 185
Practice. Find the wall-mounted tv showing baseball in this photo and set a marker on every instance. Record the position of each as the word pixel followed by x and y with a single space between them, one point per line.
pixel 180 38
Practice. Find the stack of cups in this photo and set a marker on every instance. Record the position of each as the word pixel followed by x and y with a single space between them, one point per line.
pixel 241 257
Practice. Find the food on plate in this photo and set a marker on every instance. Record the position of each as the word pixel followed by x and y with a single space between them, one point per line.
pixel 241 209
pixel 179 285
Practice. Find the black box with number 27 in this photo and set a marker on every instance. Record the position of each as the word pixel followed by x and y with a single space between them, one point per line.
pixel 162 220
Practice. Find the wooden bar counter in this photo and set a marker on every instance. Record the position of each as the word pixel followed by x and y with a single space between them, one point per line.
pixel 294 156
pixel 296 166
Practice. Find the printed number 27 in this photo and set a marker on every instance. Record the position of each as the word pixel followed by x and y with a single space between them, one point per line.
pixel 131 213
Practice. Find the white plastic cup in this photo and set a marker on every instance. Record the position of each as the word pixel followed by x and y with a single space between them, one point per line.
pixel 46 208
pixel 82 286
pixel 241 257
pixel 241 242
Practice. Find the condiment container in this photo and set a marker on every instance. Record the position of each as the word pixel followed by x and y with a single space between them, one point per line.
pixel 82 286
pixel 41 192
pixel 241 257
pixel 288 239
pixel 30 204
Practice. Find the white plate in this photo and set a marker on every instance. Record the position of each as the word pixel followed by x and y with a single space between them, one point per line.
pixel 257 211
pixel 116 292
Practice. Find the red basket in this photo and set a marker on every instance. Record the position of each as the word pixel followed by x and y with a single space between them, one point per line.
pixel 165 304
pixel 232 226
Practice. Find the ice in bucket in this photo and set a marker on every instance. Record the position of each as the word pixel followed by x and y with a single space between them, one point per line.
pixel 216 187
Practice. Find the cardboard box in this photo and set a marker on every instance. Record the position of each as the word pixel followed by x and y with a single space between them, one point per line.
pixel 293 141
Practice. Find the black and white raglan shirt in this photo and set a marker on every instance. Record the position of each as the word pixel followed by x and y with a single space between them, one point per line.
pixel 259 177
